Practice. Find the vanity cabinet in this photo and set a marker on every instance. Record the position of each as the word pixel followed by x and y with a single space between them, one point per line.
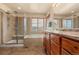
pixel 60 45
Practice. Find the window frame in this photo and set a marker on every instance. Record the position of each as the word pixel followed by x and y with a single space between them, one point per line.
pixel 66 23
pixel 38 24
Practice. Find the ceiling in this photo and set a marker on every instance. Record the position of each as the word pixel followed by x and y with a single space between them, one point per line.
pixel 40 8
pixel 59 9
pixel 67 9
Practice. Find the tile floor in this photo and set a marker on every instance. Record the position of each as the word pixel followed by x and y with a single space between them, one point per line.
pixel 35 47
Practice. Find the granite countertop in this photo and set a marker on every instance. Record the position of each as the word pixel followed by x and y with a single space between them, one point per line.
pixel 70 34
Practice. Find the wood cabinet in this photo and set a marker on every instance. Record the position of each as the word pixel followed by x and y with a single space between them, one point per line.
pixel 70 46
pixel 60 45
pixel 55 49
pixel 64 52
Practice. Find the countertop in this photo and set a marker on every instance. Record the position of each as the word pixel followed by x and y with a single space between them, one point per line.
pixel 70 34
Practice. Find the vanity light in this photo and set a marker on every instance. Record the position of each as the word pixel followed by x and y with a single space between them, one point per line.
pixel 72 11
pixel 6 10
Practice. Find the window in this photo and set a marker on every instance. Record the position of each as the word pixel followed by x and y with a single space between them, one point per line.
pixel 40 24
pixel 50 24
pixel 67 23
pixel 37 25
pixel 34 24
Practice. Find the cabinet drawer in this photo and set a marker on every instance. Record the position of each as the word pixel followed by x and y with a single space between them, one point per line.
pixel 56 39
pixel 70 45
pixel 55 49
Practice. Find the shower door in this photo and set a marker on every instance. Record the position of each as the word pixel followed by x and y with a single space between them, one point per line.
pixel 11 30
pixel 15 26
pixel 19 30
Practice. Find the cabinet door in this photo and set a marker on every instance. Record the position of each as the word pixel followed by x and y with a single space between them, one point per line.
pixel 55 38
pixel 64 52
pixel 55 44
pixel 55 49
pixel 71 46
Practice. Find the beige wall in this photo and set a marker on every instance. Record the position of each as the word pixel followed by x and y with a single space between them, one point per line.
pixel 28 25
pixel 8 27
pixel 5 29
pixel 60 23
pixel 11 27
pixel 20 26
pixel 0 29
pixel 76 22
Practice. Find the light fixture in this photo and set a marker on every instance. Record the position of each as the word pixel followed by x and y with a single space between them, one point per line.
pixel 72 11
pixel 19 8
pixel 6 10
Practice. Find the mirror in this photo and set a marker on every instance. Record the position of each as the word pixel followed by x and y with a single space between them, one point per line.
pixel 50 24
